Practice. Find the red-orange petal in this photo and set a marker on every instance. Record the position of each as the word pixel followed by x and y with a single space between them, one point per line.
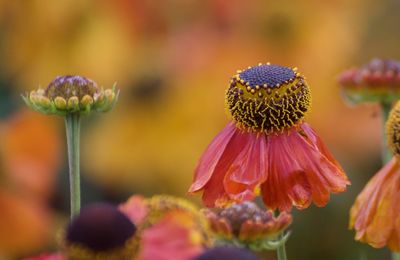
pixel 299 171
pixel 208 162
pixel 374 215
pixel 249 169
pixel 214 191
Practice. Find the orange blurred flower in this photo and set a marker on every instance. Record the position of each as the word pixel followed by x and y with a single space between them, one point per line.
pixel 31 153
pixel 24 225
pixel 268 146
pixel 374 215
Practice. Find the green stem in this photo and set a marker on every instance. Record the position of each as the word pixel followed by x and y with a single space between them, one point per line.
pixel 281 251
pixel 395 256
pixel 72 124
pixel 385 152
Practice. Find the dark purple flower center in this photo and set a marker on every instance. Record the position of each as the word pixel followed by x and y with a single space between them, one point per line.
pixel 100 227
pixel 68 86
pixel 239 213
pixel 272 75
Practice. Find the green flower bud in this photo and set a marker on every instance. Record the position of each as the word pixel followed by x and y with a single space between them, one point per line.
pixel 71 94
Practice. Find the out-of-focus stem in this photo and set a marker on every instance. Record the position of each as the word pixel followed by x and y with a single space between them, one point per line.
pixel 385 152
pixel 72 125
pixel 281 251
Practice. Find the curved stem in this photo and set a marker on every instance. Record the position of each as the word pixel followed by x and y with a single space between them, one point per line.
pixel 72 125
pixel 281 251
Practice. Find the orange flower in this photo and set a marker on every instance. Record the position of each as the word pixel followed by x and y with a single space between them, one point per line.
pixel 31 152
pixel 268 146
pixel 375 214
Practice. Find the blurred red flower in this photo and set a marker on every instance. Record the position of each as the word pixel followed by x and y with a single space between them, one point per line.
pixel 173 237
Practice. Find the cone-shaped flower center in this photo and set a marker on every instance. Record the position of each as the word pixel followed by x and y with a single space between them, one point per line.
pixel 268 98
pixel 69 86
pixel 393 129
pixel 100 227
pixel 240 213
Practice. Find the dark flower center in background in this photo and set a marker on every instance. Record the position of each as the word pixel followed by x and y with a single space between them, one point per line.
pixel 231 253
pixel 69 86
pixel 100 227
pixel 268 98
pixel 239 213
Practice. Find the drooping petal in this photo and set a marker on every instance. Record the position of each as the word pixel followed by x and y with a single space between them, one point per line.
pixel 214 191
pixel 210 158
pixel 374 215
pixel 314 139
pixel 300 171
pixel 249 169
pixel 286 183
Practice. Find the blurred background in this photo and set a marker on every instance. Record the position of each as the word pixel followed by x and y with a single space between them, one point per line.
pixel 172 61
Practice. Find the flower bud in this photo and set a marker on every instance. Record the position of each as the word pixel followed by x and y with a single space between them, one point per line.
pixel 376 81
pixel 71 94
pixel 73 103
pixel 60 103
pixel 248 225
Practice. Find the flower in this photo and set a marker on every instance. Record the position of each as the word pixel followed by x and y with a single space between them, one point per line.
pixel 247 225
pixel 231 253
pixel 377 81
pixel 268 145
pixel 71 94
pixel 31 153
pixel 101 231
pixel 168 227
pixel 374 215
